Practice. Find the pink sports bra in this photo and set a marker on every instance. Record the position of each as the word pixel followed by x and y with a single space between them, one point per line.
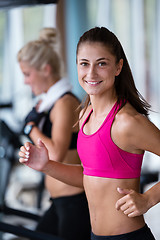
pixel 101 157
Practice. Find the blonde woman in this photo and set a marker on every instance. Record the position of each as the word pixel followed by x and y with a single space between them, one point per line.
pixel 52 120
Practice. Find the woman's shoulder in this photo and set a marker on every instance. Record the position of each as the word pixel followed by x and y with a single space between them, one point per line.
pixel 128 119
pixel 67 101
pixel 129 129
pixel 65 106
pixel 134 132
pixel 128 111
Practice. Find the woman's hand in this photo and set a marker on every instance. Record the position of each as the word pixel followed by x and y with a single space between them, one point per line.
pixel 132 203
pixel 35 157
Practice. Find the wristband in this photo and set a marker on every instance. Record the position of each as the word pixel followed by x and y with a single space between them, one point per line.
pixel 28 128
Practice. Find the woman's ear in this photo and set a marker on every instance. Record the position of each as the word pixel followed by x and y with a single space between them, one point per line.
pixel 119 67
pixel 46 70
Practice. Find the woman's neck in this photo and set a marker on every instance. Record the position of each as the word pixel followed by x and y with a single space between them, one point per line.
pixel 101 105
pixel 50 83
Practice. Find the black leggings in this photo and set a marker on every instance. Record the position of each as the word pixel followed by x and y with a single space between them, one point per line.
pixel 141 234
pixel 67 217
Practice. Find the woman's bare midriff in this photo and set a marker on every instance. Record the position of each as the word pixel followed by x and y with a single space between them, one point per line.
pixel 102 196
pixel 60 189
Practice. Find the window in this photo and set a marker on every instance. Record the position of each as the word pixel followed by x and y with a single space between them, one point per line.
pixel 18 26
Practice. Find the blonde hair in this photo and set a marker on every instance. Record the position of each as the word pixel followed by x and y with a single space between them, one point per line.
pixel 45 50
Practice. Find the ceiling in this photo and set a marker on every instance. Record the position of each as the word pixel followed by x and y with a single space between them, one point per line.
pixel 18 3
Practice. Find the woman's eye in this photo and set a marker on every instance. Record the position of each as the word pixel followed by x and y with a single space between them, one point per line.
pixel 26 74
pixel 102 64
pixel 83 64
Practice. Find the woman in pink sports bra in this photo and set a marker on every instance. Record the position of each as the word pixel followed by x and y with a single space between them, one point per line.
pixel 114 134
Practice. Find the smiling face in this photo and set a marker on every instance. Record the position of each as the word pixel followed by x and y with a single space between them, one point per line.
pixel 97 68
pixel 34 78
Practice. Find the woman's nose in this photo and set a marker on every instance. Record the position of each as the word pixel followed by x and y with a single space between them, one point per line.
pixel 92 71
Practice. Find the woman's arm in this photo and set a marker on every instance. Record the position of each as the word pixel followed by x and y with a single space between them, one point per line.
pixel 62 119
pixel 143 135
pixel 36 157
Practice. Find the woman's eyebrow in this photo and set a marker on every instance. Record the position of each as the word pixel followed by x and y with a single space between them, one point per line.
pixel 100 59
pixel 83 59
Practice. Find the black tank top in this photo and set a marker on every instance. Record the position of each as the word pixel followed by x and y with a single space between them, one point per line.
pixel 47 126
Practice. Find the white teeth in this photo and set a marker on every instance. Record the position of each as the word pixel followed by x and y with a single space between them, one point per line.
pixel 93 83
